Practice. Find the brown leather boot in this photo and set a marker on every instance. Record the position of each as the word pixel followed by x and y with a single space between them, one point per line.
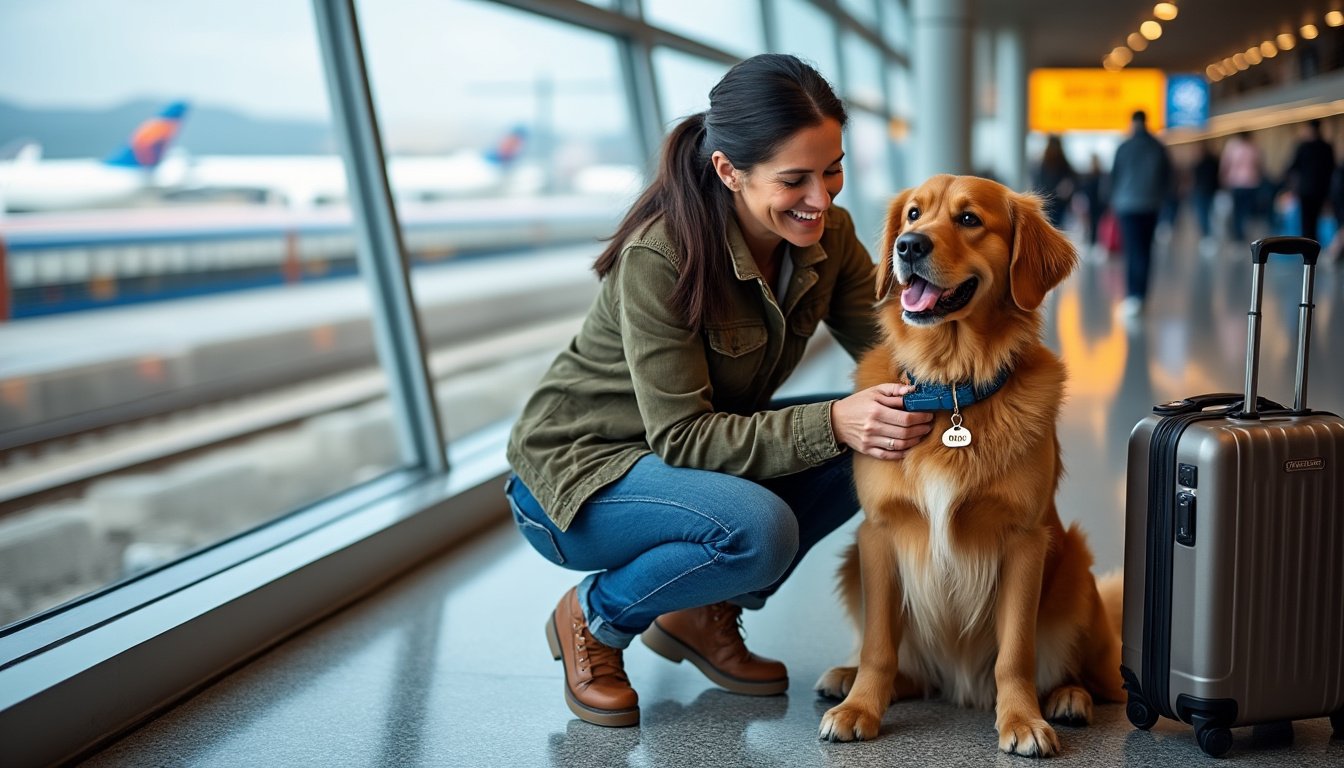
pixel 710 637
pixel 596 688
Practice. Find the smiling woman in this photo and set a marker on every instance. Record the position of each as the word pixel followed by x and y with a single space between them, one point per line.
pixel 653 452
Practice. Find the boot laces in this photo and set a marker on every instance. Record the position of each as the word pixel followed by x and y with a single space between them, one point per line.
pixel 727 620
pixel 603 660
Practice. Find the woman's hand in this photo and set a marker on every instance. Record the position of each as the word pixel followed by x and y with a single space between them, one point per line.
pixel 872 422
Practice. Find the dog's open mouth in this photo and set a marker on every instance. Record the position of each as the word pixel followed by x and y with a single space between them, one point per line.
pixel 922 299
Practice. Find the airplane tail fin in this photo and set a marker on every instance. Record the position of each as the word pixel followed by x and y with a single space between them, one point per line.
pixel 509 147
pixel 148 144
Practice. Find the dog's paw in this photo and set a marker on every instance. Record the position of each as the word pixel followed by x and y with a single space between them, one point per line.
pixel 836 682
pixel 846 722
pixel 1069 704
pixel 1029 737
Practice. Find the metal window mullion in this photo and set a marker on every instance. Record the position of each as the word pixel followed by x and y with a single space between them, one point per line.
pixel 641 91
pixel 382 261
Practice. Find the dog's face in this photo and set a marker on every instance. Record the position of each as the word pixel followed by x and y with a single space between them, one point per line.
pixel 958 247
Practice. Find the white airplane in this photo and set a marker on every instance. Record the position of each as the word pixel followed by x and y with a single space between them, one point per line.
pixel 143 167
pixel 29 183
pixel 309 181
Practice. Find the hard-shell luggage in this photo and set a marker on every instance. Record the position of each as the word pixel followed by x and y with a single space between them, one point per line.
pixel 1234 550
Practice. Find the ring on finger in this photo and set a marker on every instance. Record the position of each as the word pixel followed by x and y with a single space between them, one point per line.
pixel 891 443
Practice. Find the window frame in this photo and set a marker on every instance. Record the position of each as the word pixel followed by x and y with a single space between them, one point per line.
pixel 176 629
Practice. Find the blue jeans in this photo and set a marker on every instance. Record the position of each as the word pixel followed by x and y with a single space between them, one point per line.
pixel 1136 233
pixel 663 538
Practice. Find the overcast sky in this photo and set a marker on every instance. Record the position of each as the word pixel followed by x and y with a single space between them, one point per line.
pixel 437 65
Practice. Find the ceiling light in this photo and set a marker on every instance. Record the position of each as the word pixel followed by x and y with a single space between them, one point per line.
pixel 1239 59
pixel 1269 49
pixel 1136 41
pixel 1334 18
pixel 1213 72
pixel 1150 29
pixel 1253 56
pixel 1122 55
pixel 1165 11
pixel 1229 67
pixel 1110 65
pixel 1286 41
pixel 1309 31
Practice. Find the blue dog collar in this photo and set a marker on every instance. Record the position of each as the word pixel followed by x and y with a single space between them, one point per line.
pixel 938 397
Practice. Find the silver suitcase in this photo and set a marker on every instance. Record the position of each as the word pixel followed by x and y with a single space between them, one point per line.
pixel 1234 551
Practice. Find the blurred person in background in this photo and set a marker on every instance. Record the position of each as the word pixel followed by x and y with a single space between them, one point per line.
pixel 1241 174
pixel 1093 187
pixel 1203 189
pixel 1308 176
pixel 654 455
pixel 1055 179
pixel 1140 180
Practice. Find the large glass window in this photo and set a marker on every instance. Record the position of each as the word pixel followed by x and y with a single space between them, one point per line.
pixel 863 71
pixel 869 184
pixel 185 348
pixel 511 152
pixel 733 26
pixel 863 11
pixel 808 32
pixel 684 82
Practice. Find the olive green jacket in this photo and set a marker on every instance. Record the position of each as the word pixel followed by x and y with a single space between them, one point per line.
pixel 637 380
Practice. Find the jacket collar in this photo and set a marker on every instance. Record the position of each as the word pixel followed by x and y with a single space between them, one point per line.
pixel 744 264
pixel 932 396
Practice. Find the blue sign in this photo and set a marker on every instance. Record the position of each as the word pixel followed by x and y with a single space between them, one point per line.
pixel 1187 101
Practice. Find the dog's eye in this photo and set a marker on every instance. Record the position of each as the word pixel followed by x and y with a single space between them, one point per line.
pixel 968 219
pixel 912 215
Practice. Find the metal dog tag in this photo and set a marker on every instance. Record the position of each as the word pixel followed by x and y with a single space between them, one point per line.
pixel 957 436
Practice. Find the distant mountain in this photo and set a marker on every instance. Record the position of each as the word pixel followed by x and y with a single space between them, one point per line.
pixel 206 131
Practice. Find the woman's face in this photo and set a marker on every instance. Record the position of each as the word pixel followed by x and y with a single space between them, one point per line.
pixel 786 197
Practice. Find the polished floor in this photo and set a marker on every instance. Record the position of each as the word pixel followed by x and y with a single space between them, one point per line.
pixel 448 665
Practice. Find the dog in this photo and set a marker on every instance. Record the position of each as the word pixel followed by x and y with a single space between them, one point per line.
pixel 963 581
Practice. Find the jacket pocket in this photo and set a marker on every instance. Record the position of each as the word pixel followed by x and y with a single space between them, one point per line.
pixel 736 354
pixel 538 535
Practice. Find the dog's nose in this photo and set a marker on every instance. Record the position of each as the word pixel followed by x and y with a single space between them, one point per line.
pixel 913 245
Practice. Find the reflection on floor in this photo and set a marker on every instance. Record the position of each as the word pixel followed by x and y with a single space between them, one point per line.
pixel 449 666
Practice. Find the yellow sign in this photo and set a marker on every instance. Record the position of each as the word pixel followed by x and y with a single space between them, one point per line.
pixel 1060 100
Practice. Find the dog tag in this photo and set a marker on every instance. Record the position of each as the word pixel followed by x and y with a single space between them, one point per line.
pixel 957 436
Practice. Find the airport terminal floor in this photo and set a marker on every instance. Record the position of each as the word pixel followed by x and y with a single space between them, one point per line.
pixel 448 665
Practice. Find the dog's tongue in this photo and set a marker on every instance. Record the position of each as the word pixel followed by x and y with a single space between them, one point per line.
pixel 920 295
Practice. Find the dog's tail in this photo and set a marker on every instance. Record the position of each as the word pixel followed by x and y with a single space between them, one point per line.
pixel 1111 587
pixel 1102 669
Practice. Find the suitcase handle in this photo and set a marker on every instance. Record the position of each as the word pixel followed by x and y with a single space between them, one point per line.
pixel 1309 250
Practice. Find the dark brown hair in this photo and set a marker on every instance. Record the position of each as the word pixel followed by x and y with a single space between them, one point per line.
pixel 757 107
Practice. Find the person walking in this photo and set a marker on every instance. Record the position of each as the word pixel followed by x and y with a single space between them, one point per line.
pixel 652 454
pixel 1308 176
pixel 1140 180
pixel 1240 173
pixel 1055 180
pixel 1203 189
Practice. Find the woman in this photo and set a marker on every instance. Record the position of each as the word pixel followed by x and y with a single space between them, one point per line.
pixel 1055 179
pixel 651 453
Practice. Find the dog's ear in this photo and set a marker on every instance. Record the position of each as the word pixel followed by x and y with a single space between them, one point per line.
pixel 886 276
pixel 1042 255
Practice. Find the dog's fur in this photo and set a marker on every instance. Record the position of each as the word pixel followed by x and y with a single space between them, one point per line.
pixel 963 581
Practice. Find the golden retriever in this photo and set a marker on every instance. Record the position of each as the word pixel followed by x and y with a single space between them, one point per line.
pixel 963 581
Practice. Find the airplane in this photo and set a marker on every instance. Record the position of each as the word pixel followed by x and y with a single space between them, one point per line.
pixel 29 183
pixel 304 182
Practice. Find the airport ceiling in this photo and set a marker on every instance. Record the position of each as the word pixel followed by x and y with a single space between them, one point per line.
pixel 1078 33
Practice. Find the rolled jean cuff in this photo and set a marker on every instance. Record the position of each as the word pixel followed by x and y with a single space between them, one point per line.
pixel 601 629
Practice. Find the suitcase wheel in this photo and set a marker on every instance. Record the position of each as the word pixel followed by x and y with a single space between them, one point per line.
pixel 1214 740
pixel 1139 713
